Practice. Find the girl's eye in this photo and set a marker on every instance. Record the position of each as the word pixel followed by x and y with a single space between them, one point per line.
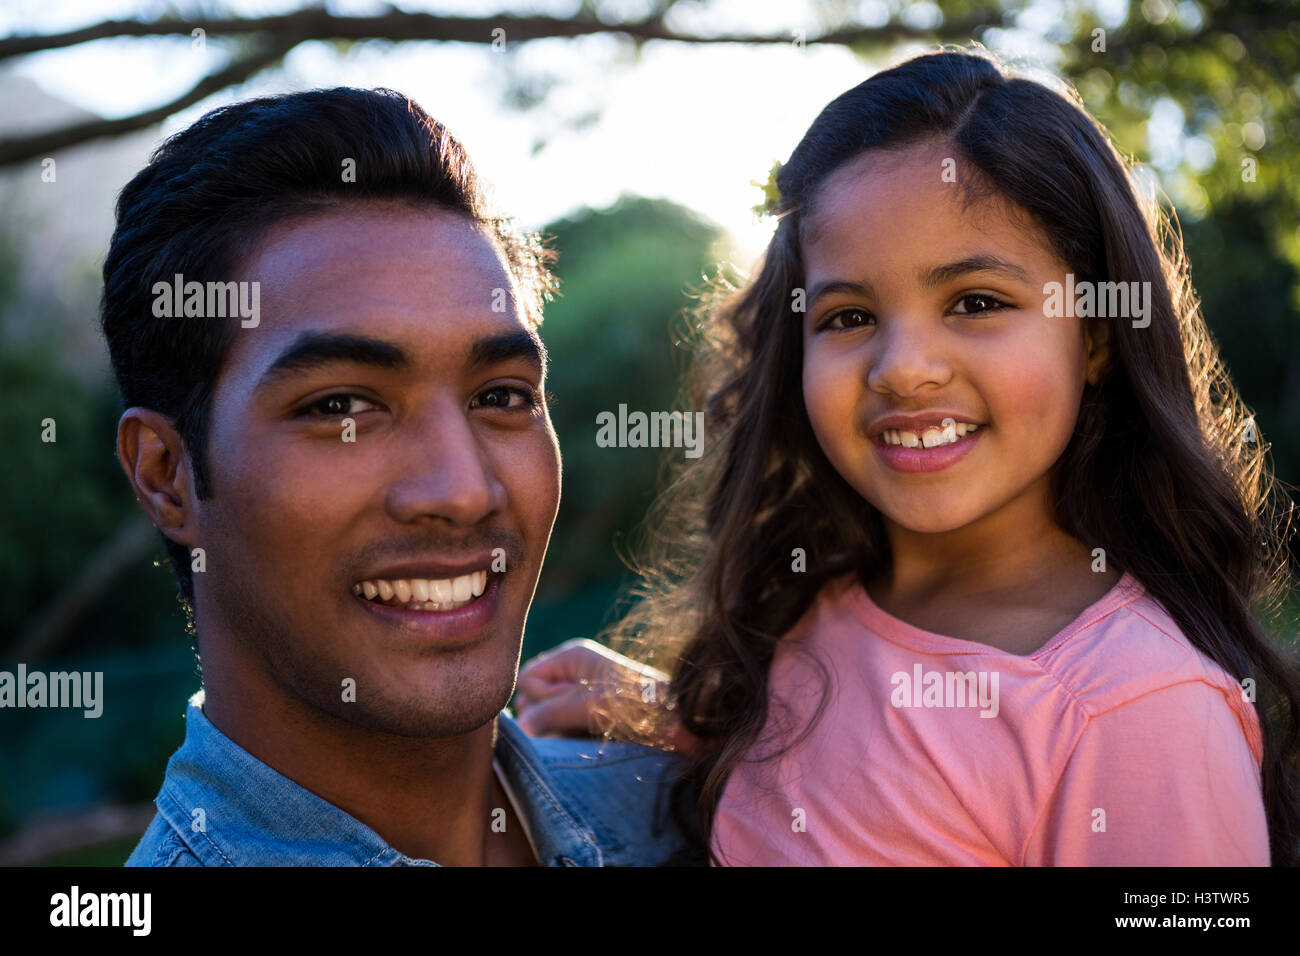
pixel 506 397
pixel 341 403
pixel 848 319
pixel 977 302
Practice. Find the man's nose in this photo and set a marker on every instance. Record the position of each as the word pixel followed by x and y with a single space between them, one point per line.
pixel 448 473
pixel 905 357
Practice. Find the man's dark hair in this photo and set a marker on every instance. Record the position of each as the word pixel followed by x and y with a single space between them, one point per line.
pixel 210 191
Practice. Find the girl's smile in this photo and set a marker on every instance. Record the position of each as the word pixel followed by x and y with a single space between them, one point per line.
pixel 923 442
pixel 932 450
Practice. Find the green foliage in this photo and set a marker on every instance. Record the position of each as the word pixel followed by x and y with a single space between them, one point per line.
pixel 624 274
pixel 56 760
pixel 1232 71
pixel 1245 287
pixel 60 499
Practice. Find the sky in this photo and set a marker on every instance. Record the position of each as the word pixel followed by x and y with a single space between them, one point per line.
pixel 696 125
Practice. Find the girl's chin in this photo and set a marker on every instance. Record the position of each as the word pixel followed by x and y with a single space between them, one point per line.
pixel 932 519
pixel 930 527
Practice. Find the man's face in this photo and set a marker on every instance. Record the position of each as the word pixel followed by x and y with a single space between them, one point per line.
pixel 380 434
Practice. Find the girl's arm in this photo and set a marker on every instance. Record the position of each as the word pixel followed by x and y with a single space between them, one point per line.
pixel 1168 779
pixel 582 687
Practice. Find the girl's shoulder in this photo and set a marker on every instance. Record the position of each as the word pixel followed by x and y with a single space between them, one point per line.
pixel 830 611
pixel 1130 648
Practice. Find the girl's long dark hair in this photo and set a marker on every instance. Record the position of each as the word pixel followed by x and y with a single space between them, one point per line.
pixel 1164 469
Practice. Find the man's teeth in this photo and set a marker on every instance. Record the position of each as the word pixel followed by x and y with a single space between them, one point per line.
pixel 424 594
pixel 929 437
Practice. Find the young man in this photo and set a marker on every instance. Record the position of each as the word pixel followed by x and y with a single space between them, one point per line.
pixel 335 416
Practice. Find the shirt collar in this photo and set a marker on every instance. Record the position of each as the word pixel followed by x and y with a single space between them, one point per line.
pixel 559 834
pixel 232 809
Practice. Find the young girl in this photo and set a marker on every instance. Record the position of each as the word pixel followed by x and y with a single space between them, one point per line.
pixel 968 575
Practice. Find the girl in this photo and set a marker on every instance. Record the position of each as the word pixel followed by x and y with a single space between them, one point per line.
pixel 968 577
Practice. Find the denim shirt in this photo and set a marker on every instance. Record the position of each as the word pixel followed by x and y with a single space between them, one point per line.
pixel 585 803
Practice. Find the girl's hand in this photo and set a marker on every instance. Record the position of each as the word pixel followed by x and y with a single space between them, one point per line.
pixel 574 689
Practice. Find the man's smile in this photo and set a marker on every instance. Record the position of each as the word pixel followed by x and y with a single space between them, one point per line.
pixel 459 621
pixel 442 598
pixel 424 594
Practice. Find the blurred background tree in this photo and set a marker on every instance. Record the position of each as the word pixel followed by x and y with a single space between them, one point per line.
pixel 624 272
pixel 1205 94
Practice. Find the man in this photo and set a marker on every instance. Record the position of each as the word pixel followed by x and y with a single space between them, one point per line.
pixel 336 417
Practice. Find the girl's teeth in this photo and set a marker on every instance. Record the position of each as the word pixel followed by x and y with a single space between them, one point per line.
pixel 385 590
pixel 930 437
pixel 369 589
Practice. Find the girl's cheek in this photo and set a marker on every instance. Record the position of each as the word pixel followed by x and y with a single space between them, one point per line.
pixel 1032 391
pixel 833 399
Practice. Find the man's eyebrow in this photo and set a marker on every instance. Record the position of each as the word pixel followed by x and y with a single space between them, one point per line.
pixel 313 350
pixel 503 348
pixel 982 262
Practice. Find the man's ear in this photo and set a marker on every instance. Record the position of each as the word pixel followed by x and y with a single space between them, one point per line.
pixel 1096 340
pixel 153 457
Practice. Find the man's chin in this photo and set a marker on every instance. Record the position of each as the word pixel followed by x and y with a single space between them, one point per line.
pixel 458 710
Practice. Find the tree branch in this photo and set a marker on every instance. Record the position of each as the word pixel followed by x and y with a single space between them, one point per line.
pixel 13 151
pixel 283 32
pixel 280 33
pixel 317 24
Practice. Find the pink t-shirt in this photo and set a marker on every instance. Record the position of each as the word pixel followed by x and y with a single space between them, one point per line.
pixel 1116 743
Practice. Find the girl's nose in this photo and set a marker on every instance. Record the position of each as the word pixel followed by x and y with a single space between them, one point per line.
pixel 905 359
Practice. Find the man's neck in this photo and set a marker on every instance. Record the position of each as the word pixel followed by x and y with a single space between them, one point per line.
pixel 428 798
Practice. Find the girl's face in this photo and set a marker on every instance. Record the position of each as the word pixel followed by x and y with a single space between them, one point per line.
pixel 924 316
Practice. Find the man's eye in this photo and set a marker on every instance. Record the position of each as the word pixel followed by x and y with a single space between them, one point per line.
pixel 977 302
pixel 849 319
pixel 333 406
pixel 506 397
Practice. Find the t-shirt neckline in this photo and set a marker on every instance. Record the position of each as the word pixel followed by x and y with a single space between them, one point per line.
pixel 898 631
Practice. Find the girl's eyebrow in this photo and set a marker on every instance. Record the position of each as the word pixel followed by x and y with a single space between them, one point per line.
pixel 981 262
pixel 840 285
pixel 930 278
